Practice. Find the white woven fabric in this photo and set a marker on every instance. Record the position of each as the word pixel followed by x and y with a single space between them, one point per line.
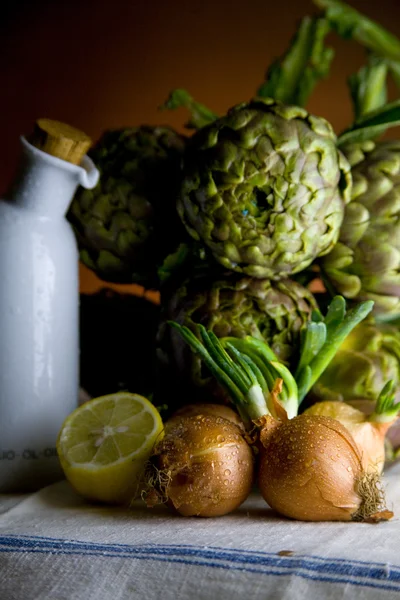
pixel 54 546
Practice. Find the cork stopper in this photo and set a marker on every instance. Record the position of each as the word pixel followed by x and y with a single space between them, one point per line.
pixel 60 140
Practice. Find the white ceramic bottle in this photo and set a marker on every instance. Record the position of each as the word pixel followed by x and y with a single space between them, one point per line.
pixel 39 302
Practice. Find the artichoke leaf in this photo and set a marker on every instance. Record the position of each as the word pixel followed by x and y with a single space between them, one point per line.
pixel 371 124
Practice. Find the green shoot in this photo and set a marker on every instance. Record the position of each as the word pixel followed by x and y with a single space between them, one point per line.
pixel 270 367
pixel 338 325
pixel 312 338
pixel 386 408
pixel 237 378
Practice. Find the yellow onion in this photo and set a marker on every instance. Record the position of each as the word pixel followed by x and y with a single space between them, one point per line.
pixel 205 467
pixel 311 470
pixel 368 435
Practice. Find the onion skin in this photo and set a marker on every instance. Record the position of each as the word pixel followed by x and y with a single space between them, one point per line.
pixel 215 410
pixel 309 469
pixel 369 436
pixel 210 465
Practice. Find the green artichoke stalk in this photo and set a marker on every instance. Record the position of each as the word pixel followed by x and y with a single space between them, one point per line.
pixel 368 358
pixel 264 188
pixel 292 77
pixel 128 222
pixel 231 306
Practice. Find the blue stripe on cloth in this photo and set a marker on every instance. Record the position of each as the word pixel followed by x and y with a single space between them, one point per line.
pixel 317 568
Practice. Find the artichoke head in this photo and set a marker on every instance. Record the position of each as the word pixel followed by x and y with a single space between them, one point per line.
pixel 365 362
pixel 130 217
pixel 232 306
pixel 365 264
pixel 264 188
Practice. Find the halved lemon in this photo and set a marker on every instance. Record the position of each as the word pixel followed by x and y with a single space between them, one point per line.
pixel 104 444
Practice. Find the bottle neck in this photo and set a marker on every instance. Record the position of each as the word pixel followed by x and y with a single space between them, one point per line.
pixel 46 185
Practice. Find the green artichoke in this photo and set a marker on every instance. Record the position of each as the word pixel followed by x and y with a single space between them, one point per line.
pixel 366 361
pixel 232 306
pixel 264 189
pixel 365 263
pixel 129 220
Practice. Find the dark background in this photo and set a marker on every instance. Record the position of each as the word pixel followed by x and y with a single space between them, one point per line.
pixel 104 64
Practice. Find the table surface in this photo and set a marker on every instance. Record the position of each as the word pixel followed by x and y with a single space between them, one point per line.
pixel 56 546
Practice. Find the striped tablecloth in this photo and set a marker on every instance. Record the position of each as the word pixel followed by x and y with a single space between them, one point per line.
pixel 55 546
